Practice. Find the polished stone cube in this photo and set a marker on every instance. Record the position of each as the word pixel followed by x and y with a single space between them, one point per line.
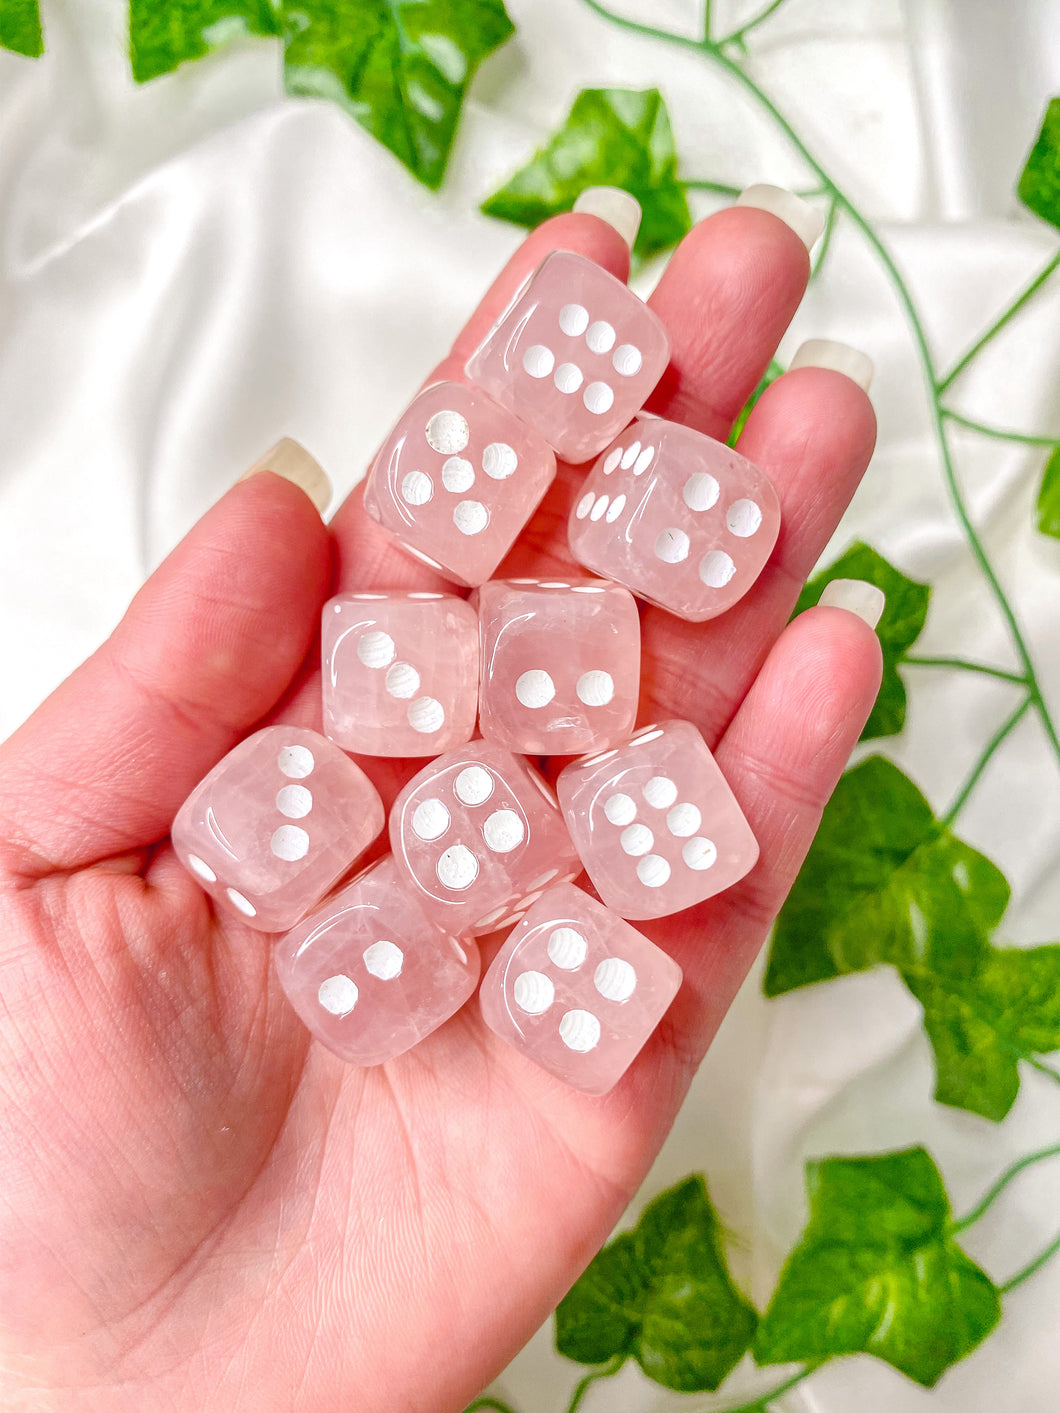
pixel 560 664
pixel 370 973
pixel 400 673
pixel 577 990
pixel 275 824
pixel 655 822
pixel 457 479
pixel 575 355
pixel 478 834
pixel 682 520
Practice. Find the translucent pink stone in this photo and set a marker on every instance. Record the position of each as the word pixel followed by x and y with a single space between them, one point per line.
pixel 655 822
pixel 275 824
pixel 560 664
pixel 370 973
pixel 478 834
pixel 575 355
pixel 457 479
pixel 400 673
pixel 577 990
pixel 677 517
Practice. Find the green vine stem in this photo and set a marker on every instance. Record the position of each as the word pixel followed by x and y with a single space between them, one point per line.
pixel 1009 1175
pixel 1031 1267
pixel 962 664
pixel 606 1371
pixel 762 1402
pixel 488 1401
pixel 941 384
pixel 1004 730
pixel 845 206
pixel 737 39
pixel 1000 434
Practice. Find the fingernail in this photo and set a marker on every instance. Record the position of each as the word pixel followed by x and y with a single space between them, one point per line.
pixel 291 461
pixel 614 206
pixel 805 220
pixel 856 596
pixel 840 357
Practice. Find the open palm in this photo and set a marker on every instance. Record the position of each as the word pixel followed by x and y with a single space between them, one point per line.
pixel 201 1208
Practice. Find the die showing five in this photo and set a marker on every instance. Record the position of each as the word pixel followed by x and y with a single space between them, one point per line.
pixel 546 667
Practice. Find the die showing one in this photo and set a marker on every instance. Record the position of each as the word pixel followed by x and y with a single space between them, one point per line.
pixel 275 824
pixel 457 479
pixel 682 520
pixel 370 973
pixel 575 355
pixel 400 672
pixel 479 835
pixel 655 822
pixel 560 664
pixel 577 990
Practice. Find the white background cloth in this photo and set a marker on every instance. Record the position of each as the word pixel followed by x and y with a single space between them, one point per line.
pixel 191 269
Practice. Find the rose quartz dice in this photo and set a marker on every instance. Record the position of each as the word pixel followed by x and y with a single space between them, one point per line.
pixel 478 834
pixel 655 822
pixel 575 355
pixel 370 973
pixel 456 481
pixel 577 990
pixel 400 673
pixel 677 517
pixel 276 823
pixel 560 664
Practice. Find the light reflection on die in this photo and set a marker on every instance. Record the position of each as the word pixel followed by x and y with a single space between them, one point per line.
pixel 275 824
pixel 575 355
pixel 577 990
pixel 655 822
pixel 370 973
pixel 457 479
pixel 681 519
pixel 560 664
pixel 478 833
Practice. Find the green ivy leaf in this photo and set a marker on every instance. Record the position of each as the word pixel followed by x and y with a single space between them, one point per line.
pixel 876 1272
pixel 400 67
pixel 163 36
pixel 885 881
pixel 611 137
pixel 1039 187
pixel 901 625
pixel 1049 498
pixel 770 376
pixel 20 27
pixel 662 1293
pixel 981 1026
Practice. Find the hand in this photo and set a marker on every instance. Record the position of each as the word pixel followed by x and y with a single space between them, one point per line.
pixel 203 1210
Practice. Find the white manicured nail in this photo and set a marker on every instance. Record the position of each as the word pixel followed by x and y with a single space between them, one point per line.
pixel 856 596
pixel 614 206
pixel 805 220
pixel 291 461
pixel 840 357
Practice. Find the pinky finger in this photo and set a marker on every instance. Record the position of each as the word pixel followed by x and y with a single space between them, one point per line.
pixel 783 755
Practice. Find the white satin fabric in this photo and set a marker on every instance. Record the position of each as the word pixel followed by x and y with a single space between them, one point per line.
pixel 191 269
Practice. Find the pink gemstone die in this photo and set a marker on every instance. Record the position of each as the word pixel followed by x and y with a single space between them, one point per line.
pixel 457 479
pixel 575 355
pixel 655 822
pixel 400 673
pixel 370 973
pixel 577 990
pixel 276 823
pixel 560 664
pixel 677 517
pixel 478 833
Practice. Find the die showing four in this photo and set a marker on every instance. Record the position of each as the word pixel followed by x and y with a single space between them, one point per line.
pixel 682 520
pixel 547 667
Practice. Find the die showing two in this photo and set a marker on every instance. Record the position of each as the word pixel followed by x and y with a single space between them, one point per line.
pixel 548 667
